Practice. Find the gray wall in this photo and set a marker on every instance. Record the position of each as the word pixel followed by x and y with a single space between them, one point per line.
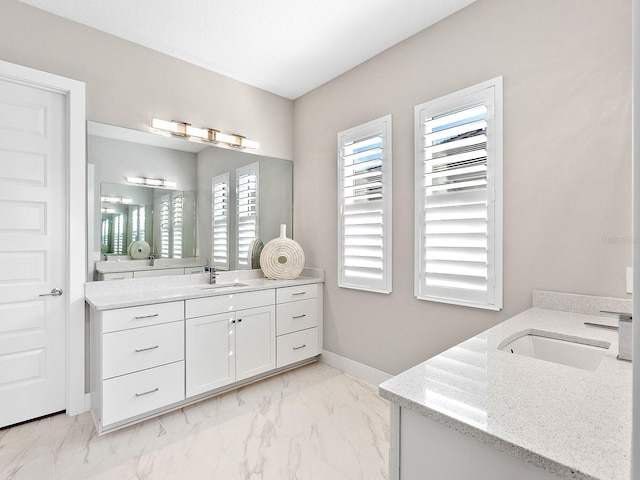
pixel 567 165
pixel 127 85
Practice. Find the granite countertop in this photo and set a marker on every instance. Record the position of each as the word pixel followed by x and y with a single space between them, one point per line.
pixel 141 291
pixel 573 422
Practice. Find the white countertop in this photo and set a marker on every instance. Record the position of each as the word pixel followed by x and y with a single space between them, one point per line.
pixel 116 266
pixel 573 422
pixel 135 292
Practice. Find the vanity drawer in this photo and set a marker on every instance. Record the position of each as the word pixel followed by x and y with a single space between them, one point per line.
pixel 199 307
pixel 137 349
pixel 162 272
pixel 294 316
pixel 192 270
pixel 116 276
pixel 142 316
pixel 293 294
pixel 297 346
pixel 141 392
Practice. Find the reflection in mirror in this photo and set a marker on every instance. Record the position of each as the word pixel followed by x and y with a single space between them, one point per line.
pixel 117 153
pixel 163 218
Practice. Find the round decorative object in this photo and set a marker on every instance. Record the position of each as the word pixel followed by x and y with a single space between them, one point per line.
pixel 282 258
pixel 139 250
pixel 255 249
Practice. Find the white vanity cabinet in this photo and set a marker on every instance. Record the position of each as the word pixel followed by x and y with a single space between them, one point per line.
pixel 298 310
pixel 229 338
pixel 115 276
pixel 152 354
pixel 137 361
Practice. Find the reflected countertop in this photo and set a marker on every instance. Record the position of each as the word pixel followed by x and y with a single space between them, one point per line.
pixel 116 266
pixel 141 291
pixel 573 422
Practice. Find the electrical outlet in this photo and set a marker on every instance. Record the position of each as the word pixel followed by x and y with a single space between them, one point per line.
pixel 629 279
pixel 96 256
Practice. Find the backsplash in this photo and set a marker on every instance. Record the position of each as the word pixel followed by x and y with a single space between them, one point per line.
pixel 587 304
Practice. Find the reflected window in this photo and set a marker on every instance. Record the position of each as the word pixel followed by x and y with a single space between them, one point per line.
pixel 247 211
pixel 220 221
pixel 171 225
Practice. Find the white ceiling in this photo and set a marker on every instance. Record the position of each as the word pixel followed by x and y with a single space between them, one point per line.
pixel 287 47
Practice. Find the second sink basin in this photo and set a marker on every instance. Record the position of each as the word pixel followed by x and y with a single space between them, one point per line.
pixel 550 347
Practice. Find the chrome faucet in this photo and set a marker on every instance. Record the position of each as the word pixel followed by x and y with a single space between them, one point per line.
pixel 625 335
pixel 213 274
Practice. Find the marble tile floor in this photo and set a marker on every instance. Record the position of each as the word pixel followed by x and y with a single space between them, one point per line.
pixel 312 423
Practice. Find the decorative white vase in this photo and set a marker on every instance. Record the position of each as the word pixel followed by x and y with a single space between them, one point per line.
pixel 282 258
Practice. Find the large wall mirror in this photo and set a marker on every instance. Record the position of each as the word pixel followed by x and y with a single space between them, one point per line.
pixel 223 199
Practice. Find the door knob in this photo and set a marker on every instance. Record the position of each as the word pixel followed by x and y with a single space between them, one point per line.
pixel 56 292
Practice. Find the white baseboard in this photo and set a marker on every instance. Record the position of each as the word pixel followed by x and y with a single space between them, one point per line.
pixel 357 369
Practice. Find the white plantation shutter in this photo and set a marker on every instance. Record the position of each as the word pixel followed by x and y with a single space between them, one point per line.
pixel 364 203
pixel 177 214
pixel 247 211
pixel 118 235
pixel 459 197
pixel 164 226
pixel 220 221
pixel 142 218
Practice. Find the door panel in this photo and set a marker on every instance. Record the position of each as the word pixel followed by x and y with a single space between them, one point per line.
pixel 210 362
pixel 32 251
pixel 255 341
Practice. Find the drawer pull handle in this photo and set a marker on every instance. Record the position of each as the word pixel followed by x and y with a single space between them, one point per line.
pixel 299 347
pixel 299 316
pixel 298 293
pixel 117 278
pixel 147 316
pixel 148 348
pixel 147 393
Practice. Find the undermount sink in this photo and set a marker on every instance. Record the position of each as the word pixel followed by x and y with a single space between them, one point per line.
pixel 220 286
pixel 551 347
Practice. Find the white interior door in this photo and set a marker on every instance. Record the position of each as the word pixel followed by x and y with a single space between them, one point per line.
pixel 32 251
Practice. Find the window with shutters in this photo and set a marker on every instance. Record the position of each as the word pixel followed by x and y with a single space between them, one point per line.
pixel 165 226
pixel 176 219
pixel 246 211
pixel 171 224
pixel 137 222
pixel 220 221
pixel 364 206
pixel 458 189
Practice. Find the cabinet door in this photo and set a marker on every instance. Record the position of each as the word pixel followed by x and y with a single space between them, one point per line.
pixel 210 362
pixel 255 341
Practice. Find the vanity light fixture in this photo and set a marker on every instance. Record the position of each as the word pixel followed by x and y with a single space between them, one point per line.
pixel 110 199
pixel 151 182
pixel 174 128
pixel 182 129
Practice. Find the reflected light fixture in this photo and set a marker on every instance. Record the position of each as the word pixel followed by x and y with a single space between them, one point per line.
pixel 182 129
pixel 112 199
pixel 151 182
